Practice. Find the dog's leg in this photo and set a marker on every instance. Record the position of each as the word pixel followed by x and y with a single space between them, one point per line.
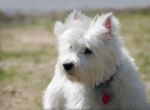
pixel 53 96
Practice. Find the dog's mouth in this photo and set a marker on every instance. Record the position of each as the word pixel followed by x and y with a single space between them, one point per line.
pixel 74 78
pixel 70 72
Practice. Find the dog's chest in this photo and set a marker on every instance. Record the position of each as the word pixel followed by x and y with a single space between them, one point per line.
pixel 80 97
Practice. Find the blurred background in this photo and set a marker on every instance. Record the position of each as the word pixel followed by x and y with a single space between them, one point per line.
pixel 28 46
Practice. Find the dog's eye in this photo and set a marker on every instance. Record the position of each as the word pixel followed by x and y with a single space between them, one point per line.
pixel 87 51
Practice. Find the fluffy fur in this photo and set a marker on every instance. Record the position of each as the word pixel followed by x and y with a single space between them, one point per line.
pixel 75 89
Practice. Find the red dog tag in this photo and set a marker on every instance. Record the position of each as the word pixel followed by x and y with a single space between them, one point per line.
pixel 106 98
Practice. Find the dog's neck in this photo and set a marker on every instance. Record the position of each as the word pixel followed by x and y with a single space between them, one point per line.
pixel 104 88
pixel 107 82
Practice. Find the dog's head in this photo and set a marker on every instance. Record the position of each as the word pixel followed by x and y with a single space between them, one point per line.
pixel 88 47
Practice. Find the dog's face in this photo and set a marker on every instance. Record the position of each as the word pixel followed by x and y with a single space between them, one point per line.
pixel 87 49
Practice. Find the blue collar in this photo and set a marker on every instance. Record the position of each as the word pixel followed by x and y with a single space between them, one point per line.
pixel 106 83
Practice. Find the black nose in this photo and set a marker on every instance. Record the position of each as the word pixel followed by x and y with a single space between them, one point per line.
pixel 68 66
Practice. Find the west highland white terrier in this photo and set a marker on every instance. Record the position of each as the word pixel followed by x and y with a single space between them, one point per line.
pixel 93 71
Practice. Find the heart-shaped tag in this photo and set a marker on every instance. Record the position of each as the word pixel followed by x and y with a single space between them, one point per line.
pixel 106 98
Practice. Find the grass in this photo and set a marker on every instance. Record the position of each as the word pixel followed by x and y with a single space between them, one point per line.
pixel 136 35
pixel 7 74
pixel 27 67
pixel 24 54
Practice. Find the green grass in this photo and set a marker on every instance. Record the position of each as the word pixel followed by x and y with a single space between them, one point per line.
pixel 22 54
pixel 136 31
pixel 7 74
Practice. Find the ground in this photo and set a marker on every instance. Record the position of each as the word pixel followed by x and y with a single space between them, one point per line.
pixel 28 55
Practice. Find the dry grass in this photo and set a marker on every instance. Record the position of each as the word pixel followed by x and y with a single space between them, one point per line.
pixel 27 59
pixel 28 55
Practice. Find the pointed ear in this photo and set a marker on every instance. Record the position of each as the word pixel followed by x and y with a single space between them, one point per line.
pixel 76 15
pixel 111 24
pixel 58 28
pixel 108 23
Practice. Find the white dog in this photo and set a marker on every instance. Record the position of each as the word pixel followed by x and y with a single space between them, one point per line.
pixel 93 71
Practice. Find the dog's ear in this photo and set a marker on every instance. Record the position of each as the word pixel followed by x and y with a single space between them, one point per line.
pixel 108 23
pixel 76 15
pixel 58 28
pixel 111 24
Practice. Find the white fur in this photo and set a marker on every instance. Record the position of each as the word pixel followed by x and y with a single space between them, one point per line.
pixel 77 91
